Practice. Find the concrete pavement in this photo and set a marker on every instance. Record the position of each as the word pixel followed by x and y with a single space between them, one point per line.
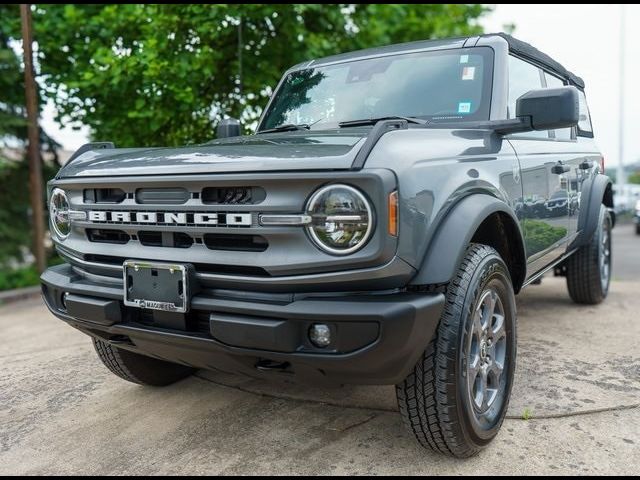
pixel 578 377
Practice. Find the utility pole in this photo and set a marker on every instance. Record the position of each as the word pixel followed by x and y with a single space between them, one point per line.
pixel 621 99
pixel 35 167
pixel 240 48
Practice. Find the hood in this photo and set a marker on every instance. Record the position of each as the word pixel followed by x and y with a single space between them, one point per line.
pixel 286 151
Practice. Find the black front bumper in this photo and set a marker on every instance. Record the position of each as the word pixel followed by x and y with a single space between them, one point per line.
pixel 376 338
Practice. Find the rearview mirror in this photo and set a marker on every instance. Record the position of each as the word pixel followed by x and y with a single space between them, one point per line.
pixel 550 108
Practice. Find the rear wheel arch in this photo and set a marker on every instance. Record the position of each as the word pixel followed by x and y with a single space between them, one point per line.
pixel 478 218
pixel 599 192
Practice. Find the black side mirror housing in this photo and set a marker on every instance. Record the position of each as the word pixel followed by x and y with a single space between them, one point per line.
pixel 229 127
pixel 550 108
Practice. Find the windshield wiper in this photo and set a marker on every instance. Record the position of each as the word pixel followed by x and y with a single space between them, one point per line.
pixel 373 121
pixel 288 127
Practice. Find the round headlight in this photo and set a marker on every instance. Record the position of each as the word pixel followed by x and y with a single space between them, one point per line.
pixel 59 213
pixel 341 219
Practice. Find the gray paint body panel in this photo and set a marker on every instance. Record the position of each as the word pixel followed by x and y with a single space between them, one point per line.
pixel 290 151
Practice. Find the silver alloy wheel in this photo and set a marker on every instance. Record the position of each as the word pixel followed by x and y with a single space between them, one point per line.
pixel 605 255
pixel 486 353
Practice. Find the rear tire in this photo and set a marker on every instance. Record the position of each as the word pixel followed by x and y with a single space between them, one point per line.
pixel 589 269
pixel 137 368
pixel 456 398
pixel 638 229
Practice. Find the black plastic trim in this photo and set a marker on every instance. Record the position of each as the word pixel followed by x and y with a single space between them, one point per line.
pixel 88 147
pixel 454 234
pixel 380 128
pixel 406 324
pixel 590 210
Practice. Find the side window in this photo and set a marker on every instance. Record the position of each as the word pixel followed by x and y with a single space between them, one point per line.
pixel 584 124
pixel 523 77
pixel 554 82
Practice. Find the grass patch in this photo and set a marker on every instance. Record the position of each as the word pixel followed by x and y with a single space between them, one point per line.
pixel 527 414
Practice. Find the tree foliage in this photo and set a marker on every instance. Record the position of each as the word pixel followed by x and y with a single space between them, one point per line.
pixel 12 111
pixel 164 74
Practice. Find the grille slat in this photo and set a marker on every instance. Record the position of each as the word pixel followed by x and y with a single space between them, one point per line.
pixel 103 195
pixel 233 195
pixel 213 269
pixel 162 196
pixel 236 243
pixel 108 236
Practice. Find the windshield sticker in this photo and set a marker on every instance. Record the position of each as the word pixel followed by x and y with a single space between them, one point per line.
pixel 464 107
pixel 464 58
pixel 468 73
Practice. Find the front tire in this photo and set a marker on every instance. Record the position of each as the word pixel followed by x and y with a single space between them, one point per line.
pixel 589 269
pixel 137 368
pixel 456 398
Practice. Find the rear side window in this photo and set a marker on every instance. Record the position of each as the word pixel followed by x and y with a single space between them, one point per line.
pixel 523 77
pixel 584 124
pixel 554 82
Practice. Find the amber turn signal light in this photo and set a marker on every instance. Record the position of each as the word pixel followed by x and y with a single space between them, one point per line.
pixel 393 214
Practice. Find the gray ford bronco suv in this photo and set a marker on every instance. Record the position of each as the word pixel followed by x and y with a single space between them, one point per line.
pixel 374 230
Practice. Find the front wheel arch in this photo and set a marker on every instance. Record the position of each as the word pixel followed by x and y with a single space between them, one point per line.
pixel 476 219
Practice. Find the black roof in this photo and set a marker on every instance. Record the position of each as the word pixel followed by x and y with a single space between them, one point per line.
pixel 527 51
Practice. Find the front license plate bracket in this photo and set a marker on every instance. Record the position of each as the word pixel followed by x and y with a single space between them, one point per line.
pixel 158 286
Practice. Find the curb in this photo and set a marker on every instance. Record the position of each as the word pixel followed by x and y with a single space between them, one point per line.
pixel 18 294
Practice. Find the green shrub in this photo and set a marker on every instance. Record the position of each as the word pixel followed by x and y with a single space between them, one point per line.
pixel 15 216
pixel 24 276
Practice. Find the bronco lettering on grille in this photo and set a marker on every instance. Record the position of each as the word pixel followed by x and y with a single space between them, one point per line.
pixel 172 218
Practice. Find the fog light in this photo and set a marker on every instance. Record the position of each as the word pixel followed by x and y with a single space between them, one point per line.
pixel 63 301
pixel 320 335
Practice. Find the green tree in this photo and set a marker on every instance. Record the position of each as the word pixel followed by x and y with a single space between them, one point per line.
pixel 634 177
pixel 15 219
pixel 164 74
pixel 12 111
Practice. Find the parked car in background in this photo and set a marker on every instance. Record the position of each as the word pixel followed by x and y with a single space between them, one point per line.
pixel 625 197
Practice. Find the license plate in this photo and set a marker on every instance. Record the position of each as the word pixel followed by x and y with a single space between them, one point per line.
pixel 156 286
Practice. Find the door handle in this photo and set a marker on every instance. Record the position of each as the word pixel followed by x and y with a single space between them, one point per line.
pixel 586 165
pixel 559 168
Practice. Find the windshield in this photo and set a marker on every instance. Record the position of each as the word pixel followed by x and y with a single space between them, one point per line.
pixel 447 85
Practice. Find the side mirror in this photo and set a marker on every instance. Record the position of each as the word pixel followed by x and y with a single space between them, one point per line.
pixel 229 127
pixel 550 108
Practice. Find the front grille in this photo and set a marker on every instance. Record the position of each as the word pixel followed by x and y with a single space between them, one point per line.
pixel 212 221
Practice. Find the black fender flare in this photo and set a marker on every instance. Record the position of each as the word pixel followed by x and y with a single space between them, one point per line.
pixel 454 234
pixel 597 193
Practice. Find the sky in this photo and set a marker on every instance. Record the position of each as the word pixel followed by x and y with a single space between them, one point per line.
pixel 584 38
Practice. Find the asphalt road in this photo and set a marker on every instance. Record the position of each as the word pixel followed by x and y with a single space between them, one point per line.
pixel 626 253
pixel 578 378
